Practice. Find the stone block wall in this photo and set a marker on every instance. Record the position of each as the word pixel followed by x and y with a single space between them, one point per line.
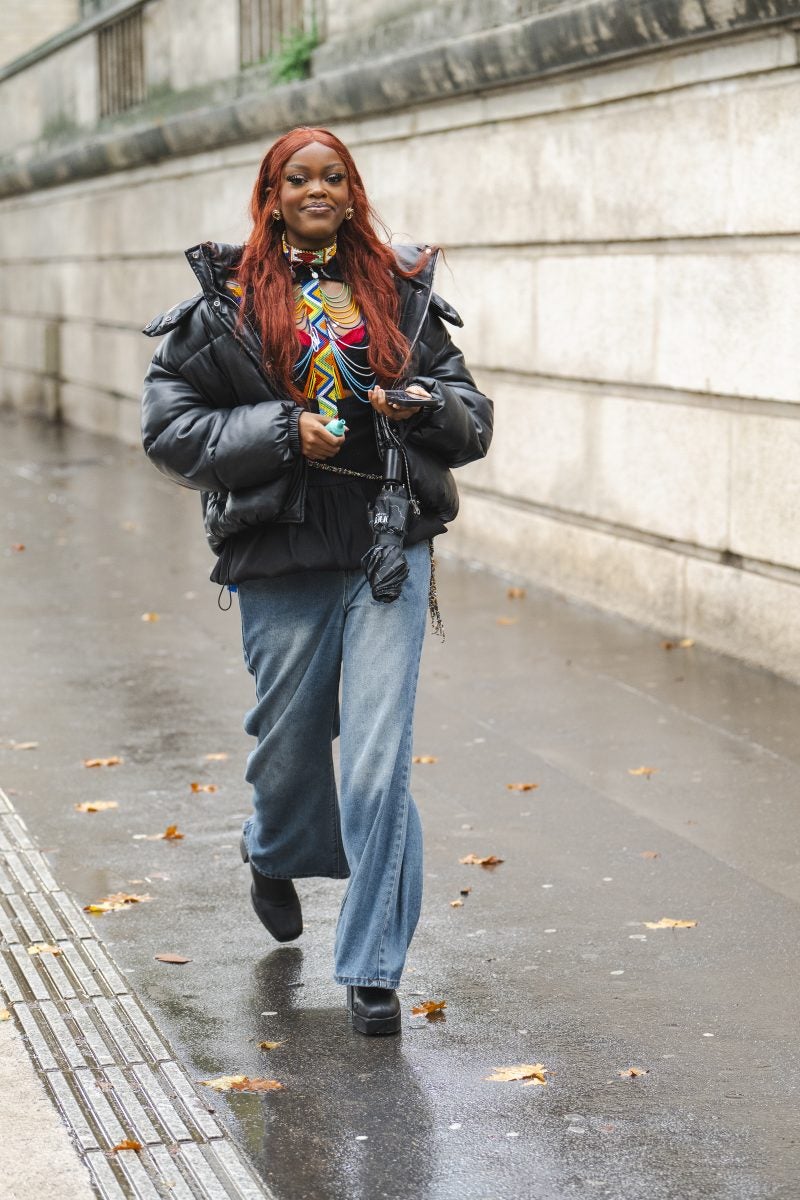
pixel 27 23
pixel 622 242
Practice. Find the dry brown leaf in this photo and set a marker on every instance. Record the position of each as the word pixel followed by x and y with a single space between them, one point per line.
pixel 129 526
pixel 642 770
pixel 115 903
pixel 171 834
pixel 516 593
pixel 150 616
pixel 489 860
pixel 432 1009
pixel 632 1072
pixel 521 787
pixel 670 923
pixel 203 787
pixel 682 643
pixel 424 758
pixel 506 621
pixel 456 903
pixel 24 745
pixel 269 1045
pixel 5 1015
pixel 128 1144
pixel 89 806
pixel 530 1073
pixel 465 891
pixel 178 959
pixel 216 757
pixel 103 762
pixel 650 854
pixel 18 546
pixel 44 948
pixel 241 1083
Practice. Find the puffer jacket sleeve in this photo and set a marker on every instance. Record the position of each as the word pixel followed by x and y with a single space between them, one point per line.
pixel 459 430
pixel 195 440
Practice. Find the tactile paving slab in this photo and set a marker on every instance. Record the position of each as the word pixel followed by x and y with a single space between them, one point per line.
pixel 105 1065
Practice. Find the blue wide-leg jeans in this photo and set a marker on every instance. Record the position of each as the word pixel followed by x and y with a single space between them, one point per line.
pixel 303 635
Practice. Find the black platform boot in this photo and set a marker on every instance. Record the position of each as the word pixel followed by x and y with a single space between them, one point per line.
pixel 374 1011
pixel 276 903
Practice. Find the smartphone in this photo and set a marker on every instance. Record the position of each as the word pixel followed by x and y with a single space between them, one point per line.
pixel 401 397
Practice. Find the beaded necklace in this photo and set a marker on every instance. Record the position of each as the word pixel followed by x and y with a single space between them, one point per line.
pixel 330 366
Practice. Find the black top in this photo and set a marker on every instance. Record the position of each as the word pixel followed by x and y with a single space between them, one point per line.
pixel 335 533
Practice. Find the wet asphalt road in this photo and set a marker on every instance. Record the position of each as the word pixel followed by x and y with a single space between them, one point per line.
pixel 548 961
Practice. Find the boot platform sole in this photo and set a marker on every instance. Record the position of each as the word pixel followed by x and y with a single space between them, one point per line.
pixel 372 1026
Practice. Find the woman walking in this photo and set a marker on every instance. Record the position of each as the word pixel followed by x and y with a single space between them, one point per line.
pixel 269 396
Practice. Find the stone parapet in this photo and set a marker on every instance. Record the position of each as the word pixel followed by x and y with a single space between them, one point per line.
pixel 548 43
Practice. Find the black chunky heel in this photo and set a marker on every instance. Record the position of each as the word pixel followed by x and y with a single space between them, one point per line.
pixel 374 1011
pixel 275 901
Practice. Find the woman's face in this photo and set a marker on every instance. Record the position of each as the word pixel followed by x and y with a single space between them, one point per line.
pixel 314 194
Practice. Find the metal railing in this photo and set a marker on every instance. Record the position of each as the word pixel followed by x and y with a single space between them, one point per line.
pixel 120 48
pixel 264 24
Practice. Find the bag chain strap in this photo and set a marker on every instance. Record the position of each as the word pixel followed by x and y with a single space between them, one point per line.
pixel 437 624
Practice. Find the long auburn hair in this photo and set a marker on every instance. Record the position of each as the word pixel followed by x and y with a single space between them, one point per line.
pixel 368 265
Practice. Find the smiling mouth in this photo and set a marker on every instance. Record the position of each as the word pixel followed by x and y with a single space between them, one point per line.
pixel 317 208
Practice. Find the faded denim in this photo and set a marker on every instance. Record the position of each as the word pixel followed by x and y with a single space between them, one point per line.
pixel 303 635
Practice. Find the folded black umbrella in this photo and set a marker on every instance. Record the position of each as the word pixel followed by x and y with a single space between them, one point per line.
pixel 385 563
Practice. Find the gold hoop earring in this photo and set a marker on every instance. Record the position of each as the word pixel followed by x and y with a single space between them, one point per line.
pixel 276 214
pixel 348 214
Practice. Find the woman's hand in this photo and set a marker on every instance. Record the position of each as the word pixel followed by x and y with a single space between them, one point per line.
pixel 395 412
pixel 316 442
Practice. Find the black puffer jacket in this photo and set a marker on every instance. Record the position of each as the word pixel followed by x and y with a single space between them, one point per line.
pixel 213 420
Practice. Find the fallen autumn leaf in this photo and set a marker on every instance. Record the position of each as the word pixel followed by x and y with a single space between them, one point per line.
pixel 216 757
pixel 92 806
pixel 424 758
pixel 5 1015
pixel 432 1009
pixel 516 593
pixel 18 547
pixel 521 787
pixel 489 860
pixel 128 1144
pixel 203 787
pixel 151 616
pixel 269 1045
pixel 529 1073
pixel 171 834
pixel 506 621
pixel 178 959
pixel 103 762
pixel 669 923
pixel 44 948
pixel 632 1072
pixel 115 903
pixel 456 903
pixel 650 854
pixel 241 1083
pixel 642 770
pixel 24 745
